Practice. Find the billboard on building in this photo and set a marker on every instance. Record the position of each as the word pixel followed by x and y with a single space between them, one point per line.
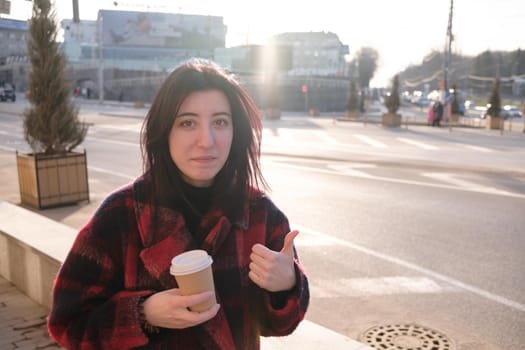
pixel 150 29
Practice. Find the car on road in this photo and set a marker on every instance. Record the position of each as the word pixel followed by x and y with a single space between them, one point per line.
pixel 506 112
pixel 7 92
pixel 509 112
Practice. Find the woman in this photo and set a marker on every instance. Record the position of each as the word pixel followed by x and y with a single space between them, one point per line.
pixel 200 190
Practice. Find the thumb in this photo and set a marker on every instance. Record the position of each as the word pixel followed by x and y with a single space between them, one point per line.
pixel 288 243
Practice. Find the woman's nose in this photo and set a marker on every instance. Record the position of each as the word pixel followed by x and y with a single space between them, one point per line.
pixel 206 138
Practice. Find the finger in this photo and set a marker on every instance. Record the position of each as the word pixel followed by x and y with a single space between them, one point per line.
pixel 288 243
pixel 194 318
pixel 255 279
pixel 262 261
pixel 257 269
pixel 260 250
pixel 194 299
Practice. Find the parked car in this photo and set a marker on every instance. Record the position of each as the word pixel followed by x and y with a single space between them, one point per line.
pixel 509 112
pixel 7 92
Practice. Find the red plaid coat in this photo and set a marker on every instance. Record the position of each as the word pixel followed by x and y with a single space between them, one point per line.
pixel 116 259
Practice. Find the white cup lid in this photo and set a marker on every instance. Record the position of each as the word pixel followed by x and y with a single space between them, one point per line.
pixel 190 262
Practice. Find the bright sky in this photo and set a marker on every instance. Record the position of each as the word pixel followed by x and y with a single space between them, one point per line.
pixel 402 31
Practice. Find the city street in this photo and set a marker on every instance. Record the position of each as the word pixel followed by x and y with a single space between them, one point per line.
pixel 415 226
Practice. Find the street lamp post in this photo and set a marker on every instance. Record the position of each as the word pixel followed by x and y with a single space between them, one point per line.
pixel 100 22
pixel 448 49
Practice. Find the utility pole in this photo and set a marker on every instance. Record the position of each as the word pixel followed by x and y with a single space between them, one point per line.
pixel 448 53
pixel 76 17
pixel 100 23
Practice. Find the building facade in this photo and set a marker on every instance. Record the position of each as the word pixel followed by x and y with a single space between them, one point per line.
pixel 13 55
pixel 136 49
pixel 314 53
pixel 127 55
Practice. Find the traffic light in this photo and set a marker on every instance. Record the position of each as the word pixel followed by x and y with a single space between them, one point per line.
pixel 304 89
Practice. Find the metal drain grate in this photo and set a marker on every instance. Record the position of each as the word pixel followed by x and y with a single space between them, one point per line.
pixel 405 337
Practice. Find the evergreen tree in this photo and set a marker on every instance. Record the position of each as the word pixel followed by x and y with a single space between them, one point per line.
pixel 455 103
pixel 494 101
pixel 392 103
pixel 518 64
pixel 353 98
pixel 51 123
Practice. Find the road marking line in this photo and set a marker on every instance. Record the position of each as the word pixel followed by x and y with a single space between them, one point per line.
pixel 363 287
pixel 123 143
pixel 477 148
pixel 8 149
pixel 372 142
pixel 348 170
pixel 449 178
pixel 111 172
pixel 433 274
pixel 123 127
pixel 418 144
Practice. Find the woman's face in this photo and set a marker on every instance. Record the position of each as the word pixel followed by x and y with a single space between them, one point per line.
pixel 201 136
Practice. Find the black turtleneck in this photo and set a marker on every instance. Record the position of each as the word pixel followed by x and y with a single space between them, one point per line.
pixel 198 201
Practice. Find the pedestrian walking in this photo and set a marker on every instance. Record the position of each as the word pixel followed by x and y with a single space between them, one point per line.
pixel 437 110
pixel 430 113
pixel 202 188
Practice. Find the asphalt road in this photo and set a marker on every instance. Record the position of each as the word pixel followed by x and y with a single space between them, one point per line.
pixel 416 225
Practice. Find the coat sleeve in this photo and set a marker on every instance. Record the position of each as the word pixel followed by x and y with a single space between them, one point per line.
pixel 283 310
pixel 90 307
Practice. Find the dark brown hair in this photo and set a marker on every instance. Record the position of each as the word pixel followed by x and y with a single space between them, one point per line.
pixel 242 168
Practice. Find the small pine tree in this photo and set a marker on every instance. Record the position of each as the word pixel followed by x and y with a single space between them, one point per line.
pixel 455 104
pixel 494 101
pixel 392 102
pixel 51 123
pixel 353 99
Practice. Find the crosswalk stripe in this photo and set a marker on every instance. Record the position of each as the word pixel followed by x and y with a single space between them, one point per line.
pixel 372 142
pixel 418 144
pixel 327 139
pixel 287 136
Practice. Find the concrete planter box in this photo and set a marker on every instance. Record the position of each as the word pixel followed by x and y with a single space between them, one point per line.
pixel 391 120
pixel 352 115
pixel 314 112
pixel 273 113
pixel 52 181
pixel 494 122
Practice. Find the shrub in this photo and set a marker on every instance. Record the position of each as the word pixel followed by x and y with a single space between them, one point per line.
pixel 353 99
pixel 392 102
pixel 494 100
pixel 51 122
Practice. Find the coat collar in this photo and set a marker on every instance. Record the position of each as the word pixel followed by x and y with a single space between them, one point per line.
pixel 170 236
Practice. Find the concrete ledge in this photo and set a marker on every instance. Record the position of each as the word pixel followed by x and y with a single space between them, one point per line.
pixel 32 248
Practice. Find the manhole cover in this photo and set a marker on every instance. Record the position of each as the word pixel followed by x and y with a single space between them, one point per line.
pixel 405 337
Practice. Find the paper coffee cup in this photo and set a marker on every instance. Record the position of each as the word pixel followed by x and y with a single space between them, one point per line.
pixel 193 273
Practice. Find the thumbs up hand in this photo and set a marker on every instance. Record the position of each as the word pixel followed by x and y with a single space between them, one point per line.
pixel 272 270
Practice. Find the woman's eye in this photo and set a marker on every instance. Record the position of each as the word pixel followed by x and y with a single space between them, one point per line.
pixel 222 122
pixel 186 123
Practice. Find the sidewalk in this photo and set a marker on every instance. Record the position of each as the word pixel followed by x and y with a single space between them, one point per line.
pixel 22 321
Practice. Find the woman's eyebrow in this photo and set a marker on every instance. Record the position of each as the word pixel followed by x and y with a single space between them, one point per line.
pixel 193 114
